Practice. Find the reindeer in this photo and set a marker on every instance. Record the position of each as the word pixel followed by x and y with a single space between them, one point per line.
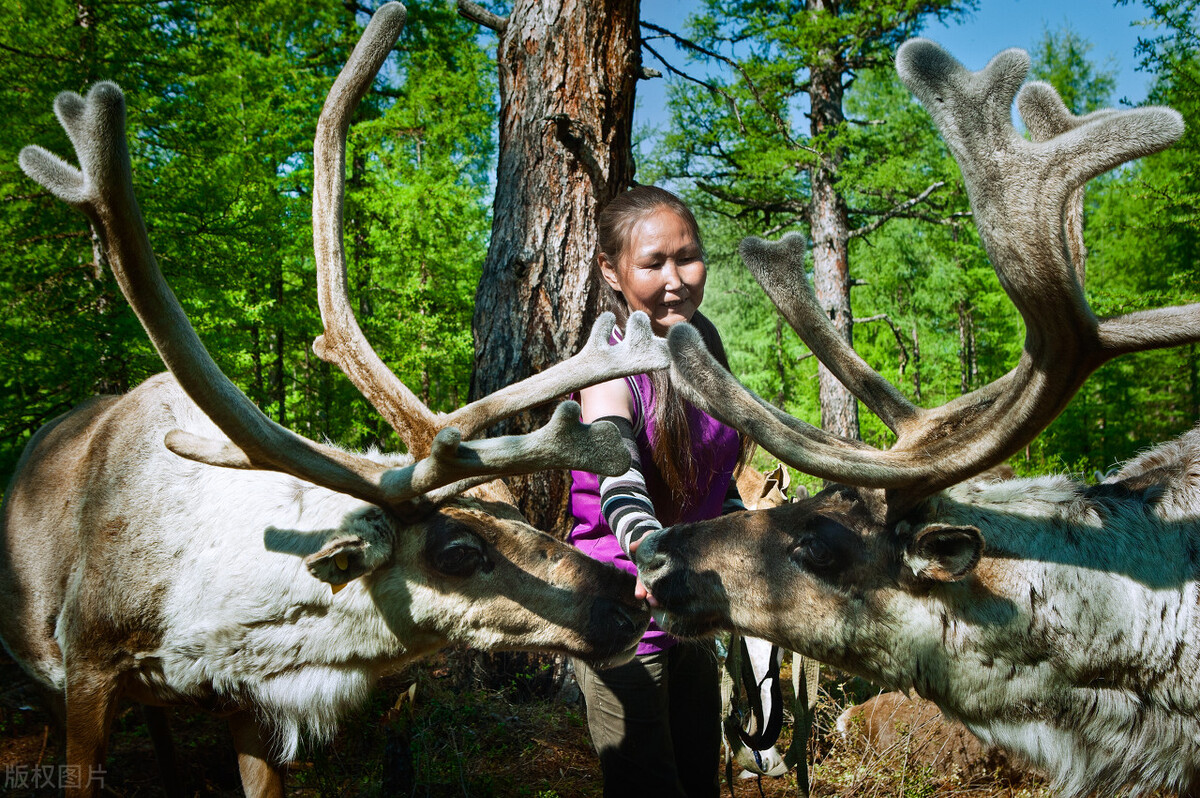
pixel 892 725
pixel 175 546
pixel 1054 619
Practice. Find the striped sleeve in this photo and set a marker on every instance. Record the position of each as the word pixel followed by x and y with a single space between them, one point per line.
pixel 624 500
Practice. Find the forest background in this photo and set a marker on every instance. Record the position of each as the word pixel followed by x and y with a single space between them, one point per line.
pixel 223 99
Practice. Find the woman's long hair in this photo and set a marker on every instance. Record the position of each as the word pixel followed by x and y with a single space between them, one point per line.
pixel 672 442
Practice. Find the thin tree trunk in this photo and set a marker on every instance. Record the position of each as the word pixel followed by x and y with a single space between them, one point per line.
pixel 1193 385
pixel 113 372
pixel 259 389
pixel 279 370
pixel 916 364
pixel 967 363
pixel 358 263
pixel 568 70
pixel 830 226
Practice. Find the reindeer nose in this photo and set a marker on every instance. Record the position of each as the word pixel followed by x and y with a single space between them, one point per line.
pixel 649 557
pixel 620 625
pixel 608 614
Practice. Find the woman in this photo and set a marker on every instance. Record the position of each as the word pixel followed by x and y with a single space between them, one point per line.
pixel 654 722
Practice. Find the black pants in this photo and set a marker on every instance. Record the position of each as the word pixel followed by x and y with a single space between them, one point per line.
pixel 655 723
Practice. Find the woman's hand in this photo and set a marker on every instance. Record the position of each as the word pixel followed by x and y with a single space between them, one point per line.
pixel 640 591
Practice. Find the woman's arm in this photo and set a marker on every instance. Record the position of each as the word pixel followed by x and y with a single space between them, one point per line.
pixel 610 398
pixel 625 502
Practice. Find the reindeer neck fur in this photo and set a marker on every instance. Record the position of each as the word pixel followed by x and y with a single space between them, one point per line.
pixel 1091 594
pixel 277 615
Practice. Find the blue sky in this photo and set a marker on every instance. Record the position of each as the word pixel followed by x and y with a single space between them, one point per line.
pixel 998 24
pixel 1020 23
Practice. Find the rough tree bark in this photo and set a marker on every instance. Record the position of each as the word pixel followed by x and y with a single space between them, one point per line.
pixel 568 70
pixel 829 221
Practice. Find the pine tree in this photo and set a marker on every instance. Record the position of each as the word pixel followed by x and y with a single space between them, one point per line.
pixel 742 139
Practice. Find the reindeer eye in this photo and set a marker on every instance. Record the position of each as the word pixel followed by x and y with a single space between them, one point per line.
pixel 813 553
pixel 458 559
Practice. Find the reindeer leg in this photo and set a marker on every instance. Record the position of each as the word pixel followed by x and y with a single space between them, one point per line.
pixel 91 706
pixel 164 750
pixel 262 777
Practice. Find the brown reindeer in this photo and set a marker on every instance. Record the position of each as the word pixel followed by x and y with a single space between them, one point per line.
pixel 175 546
pixel 893 726
pixel 1054 619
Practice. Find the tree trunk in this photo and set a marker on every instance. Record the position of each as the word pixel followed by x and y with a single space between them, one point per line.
pixel 966 346
pixel 568 70
pixel 780 366
pixel 279 370
pixel 916 361
pixel 830 225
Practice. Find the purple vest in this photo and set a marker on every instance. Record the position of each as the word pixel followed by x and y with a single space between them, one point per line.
pixel 715 448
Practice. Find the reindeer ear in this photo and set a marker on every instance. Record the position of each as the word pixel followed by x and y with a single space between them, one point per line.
pixel 774 490
pixel 361 544
pixel 943 553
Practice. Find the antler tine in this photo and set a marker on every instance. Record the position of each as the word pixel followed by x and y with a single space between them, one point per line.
pixel 640 350
pixel 1046 116
pixel 1019 190
pixel 709 386
pixel 452 466
pixel 562 443
pixel 1026 198
pixel 343 343
pixel 103 189
pixel 779 268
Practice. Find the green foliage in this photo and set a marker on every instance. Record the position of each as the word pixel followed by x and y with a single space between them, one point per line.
pixel 1061 59
pixel 223 98
pixel 741 134
pixel 749 142
pixel 418 211
pixel 1141 226
pixel 1172 53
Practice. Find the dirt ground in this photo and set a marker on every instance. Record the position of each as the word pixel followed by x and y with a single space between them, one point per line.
pixel 451 740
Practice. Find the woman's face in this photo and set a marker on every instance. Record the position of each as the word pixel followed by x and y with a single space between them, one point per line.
pixel 661 271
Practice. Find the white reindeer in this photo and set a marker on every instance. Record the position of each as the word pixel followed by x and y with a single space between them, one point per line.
pixel 175 546
pixel 1056 620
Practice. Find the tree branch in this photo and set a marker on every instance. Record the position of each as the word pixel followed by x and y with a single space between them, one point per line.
pixel 790 222
pixel 780 124
pixel 899 338
pixel 41 56
pixel 53 237
pixel 715 90
pixel 795 207
pixel 481 16
pixel 896 211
